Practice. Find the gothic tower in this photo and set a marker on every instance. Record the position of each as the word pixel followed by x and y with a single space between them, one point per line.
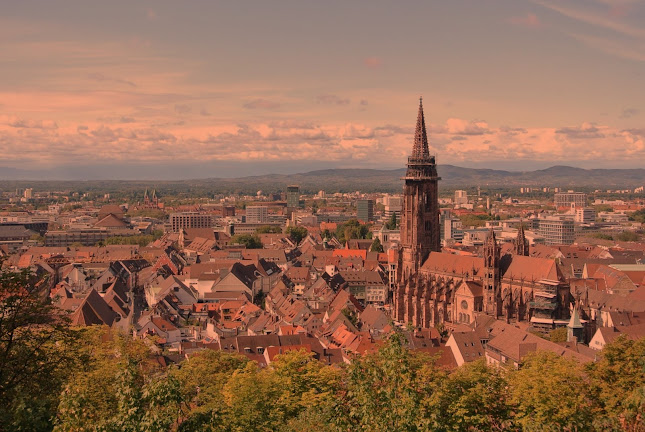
pixel 521 243
pixel 492 276
pixel 420 213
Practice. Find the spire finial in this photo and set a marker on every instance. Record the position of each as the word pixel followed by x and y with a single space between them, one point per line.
pixel 420 148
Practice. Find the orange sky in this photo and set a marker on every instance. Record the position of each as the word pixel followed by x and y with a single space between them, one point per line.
pixel 240 88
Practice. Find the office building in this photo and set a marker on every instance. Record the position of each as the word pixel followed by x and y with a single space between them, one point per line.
pixel 365 210
pixel 257 214
pixel 570 199
pixel 180 221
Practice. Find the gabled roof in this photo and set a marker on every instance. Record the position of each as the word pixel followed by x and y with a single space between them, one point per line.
pixel 439 262
pixel 533 269
pixel 93 311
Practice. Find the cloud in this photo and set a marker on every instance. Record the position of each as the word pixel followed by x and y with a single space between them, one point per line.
pixel 97 76
pixel 629 112
pixel 584 131
pixel 204 112
pixel 330 99
pixel 182 109
pixel 262 104
pixel 458 141
pixel 530 20
pixel 373 62
pixel 595 19
pixel 21 123
pixel 455 126
pixel 618 48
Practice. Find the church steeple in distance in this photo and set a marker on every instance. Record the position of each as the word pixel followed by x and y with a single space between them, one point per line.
pixel 420 148
pixel 420 215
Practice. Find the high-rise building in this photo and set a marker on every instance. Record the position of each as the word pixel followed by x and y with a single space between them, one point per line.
pixel 567 199
pixel 393 205
pixel 190 220
pixel 556 231
pixel 585 215
pixel 293 196
pixel 257 214
pixel 461 197
pixel 365 210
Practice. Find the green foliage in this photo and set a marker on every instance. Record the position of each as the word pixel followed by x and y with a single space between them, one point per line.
pixel 141 240
pixel 118 388
pixel 549 393
pixel 37 238
pixel 558 335
pixel 471 398
pixel 151 213
pixel 603 208
pixel 351 316
pixel 386 390
pixel 602 236
pixel 376 246
pixel 352 229
pixel 476 220
pixel 202 379
pixel 297 233
pixel 37 350
pixel 638 216
pixel 618 383
pixel 392 223
pixel 268 229
pixel 247 240
pixel 628 236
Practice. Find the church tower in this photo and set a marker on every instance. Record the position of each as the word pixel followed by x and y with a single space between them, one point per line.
pixel 521 243
pixel 420 213
pixel 492 276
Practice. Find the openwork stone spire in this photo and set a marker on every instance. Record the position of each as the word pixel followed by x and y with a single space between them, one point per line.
pixel 420 149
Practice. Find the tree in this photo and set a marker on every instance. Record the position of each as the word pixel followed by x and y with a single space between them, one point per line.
pixel 618 383
pixel 474 397
pixel 376 246
pixel 268 229
pixel 37 351
pixel 558 335
pixel 628 236
pixel 352 229
pixel 120 387
pixel 566 405
pixel 385 389
pixel 202 378
pixel 392 223
pixel 247 240
pixel 297 233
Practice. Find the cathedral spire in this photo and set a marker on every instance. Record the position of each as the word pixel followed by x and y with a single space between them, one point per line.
pixel 420 149
pixel 521 244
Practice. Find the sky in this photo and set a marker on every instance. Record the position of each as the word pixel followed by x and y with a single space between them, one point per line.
pixel 188 89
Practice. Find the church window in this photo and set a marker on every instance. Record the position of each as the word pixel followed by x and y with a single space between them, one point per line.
pixel 464 304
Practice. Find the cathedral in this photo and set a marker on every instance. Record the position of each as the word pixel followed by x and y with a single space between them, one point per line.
pixel 435 287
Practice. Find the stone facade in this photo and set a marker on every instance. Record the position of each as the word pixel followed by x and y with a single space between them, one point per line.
pixel 434 287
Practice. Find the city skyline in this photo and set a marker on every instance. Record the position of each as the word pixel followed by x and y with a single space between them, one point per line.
pixel 222 90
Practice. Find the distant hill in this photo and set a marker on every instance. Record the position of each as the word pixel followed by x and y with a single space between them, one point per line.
pixel 368 180
pixel 453 176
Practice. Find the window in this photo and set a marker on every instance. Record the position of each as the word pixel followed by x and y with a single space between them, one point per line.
pixel 464 304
